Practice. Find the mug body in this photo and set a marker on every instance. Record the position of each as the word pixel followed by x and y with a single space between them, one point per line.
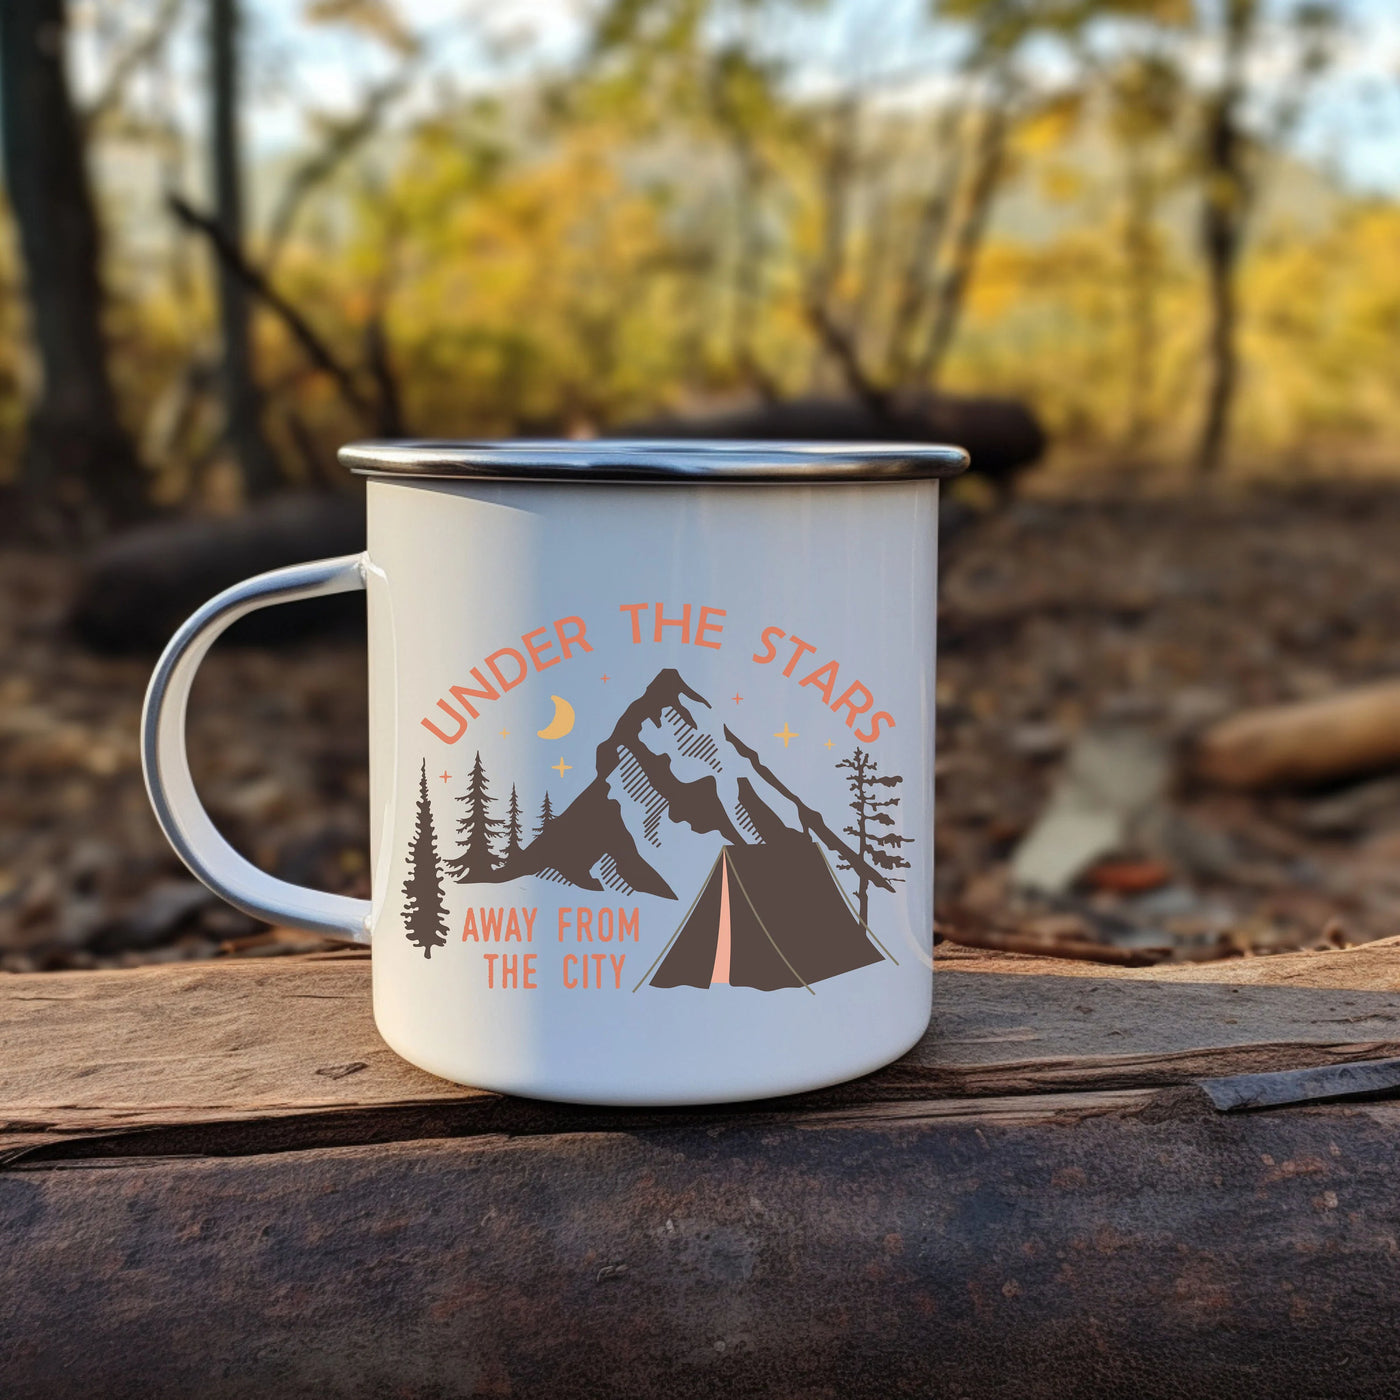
pixel 652 781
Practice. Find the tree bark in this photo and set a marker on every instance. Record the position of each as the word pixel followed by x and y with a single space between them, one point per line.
pixel 242 398
pixel 920 271
pixel 966 241
pixel 1222 234
pixel 80 472
pixel 1140 257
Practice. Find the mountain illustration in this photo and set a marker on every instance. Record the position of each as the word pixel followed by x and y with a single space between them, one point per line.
pixel 668 776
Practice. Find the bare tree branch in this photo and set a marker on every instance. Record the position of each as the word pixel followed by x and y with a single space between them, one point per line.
pixel 837 340
pixel 391 422
pixel 316 349
pixel 838 172
pixel 966 241
pixel 316 169
pixel 839 345
pixel 141 49
pixel 920 270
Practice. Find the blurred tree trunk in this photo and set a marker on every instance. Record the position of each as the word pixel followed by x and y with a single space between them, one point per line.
pixel 242 398
pixel 1223 213
pixel 80 471
pixel 1140 258
pixel 951 290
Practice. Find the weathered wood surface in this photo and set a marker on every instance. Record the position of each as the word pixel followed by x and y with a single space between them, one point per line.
pixel 220 1182
pixel 264 1040
pixel 1371 967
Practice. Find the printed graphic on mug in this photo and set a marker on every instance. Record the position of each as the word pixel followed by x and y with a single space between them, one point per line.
pixel 706 868
pixel 651 761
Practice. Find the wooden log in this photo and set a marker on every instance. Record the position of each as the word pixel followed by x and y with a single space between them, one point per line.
pixel 1305 744
pixel 1157 1251
pixel 288 1046
pixel 220 1181
pixel 1369 967
pixel 1003 436
pixel 137 587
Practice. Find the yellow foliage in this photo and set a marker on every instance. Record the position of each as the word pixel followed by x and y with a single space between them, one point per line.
pixel 583 275
pixel 1048 128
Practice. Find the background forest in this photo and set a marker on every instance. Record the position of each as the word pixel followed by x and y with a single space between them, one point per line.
pixel 1148 247
pixel 253 230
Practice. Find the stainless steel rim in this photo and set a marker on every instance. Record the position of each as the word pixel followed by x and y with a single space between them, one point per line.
pixel 604 460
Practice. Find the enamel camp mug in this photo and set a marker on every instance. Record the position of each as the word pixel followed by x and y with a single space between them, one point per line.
pixel 651 761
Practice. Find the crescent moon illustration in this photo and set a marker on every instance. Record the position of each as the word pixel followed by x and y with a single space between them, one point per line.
pixel 562 722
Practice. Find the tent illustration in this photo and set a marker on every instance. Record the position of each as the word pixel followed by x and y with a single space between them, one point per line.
pixel 769 915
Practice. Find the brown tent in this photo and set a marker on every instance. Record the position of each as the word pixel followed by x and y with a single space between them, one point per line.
pixel 788 923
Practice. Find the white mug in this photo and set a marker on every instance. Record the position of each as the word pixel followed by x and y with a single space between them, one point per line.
pixel 651 761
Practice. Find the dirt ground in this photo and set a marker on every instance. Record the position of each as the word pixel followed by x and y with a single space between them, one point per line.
pixel 1057 615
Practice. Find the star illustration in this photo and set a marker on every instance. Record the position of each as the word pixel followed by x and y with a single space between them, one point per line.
pixel 505 734
pixel 785 734
pixel 444 775
pixel 828 743
pixel 605 680
pixel 561 767
pixel 737 698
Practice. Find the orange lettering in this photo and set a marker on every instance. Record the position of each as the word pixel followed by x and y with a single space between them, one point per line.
pixel 683 622
pixel 491 925
pixel 496 670
pixel 799 647
pixel 584 920
pixel 705 625
pixel 571 983
pixel 490 968
pixel 487 692
pixel 529 924
pixel 824 686
pixel 512 933
pixel 529 982
pixel 624 925
pixel 469 928
pixel 635 609
pixel 617 959
pixel 851 705
pixel 875 726
pixel 537 651
pixel 569 640
pixel 461 723
pixel 769 645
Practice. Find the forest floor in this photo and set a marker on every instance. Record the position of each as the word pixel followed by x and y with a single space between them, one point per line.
pixel 1060 615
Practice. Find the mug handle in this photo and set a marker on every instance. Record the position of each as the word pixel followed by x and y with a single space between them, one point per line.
pixel 166 765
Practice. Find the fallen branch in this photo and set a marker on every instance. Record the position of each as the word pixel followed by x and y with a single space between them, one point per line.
pixel 1304 744
pixel 1080 949
pixel 1326 1082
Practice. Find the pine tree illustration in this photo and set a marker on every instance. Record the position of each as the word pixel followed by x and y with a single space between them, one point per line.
pixel 546 815
pixel 424 914
pixel 476 831
pixel 513 847
pixel 874 844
